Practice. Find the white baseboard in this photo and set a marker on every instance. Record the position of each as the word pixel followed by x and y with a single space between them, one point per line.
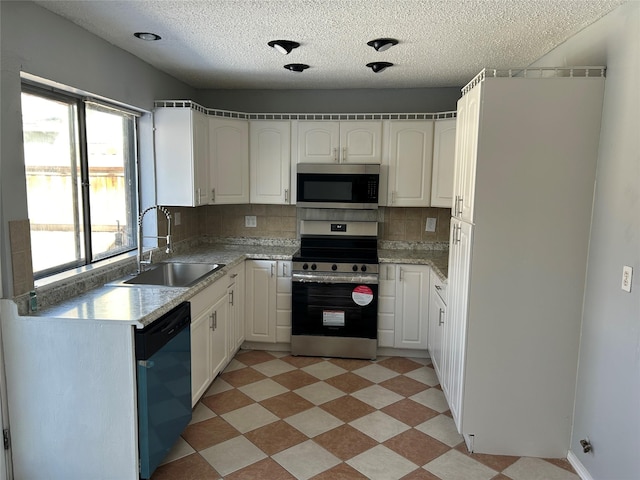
pixel 582 472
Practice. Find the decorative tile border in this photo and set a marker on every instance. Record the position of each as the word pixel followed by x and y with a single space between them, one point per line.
pixel 302 116
pixel 533 72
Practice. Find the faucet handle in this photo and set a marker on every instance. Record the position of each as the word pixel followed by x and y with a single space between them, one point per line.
pixel 147 262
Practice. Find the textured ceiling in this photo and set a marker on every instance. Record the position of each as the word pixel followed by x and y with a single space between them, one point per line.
pixel 223 43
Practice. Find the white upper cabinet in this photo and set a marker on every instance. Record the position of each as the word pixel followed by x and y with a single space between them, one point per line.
pixel 444 147
pixel 270 161
pixel 410 158
pixel 464 177
pixel 181 150
pixel 339 142
pixel 229 161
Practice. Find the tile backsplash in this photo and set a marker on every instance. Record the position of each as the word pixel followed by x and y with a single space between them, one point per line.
pixel 408 224
pixel 281 221
pixel 20 237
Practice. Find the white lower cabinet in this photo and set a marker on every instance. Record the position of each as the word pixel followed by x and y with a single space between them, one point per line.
pixel 412 306
pixel 437 321
pixel 403 306
pixel 283 302
pixel 209 314
pixel 260 300
pixel 386 305
pixel 235 293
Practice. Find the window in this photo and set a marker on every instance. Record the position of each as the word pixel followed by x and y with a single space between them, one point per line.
pixel 80 160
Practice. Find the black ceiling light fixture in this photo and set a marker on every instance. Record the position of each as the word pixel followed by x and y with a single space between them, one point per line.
pixel 296 67
pixel 147 36
pixel 382 44
pixel 377 67
pixel 283 46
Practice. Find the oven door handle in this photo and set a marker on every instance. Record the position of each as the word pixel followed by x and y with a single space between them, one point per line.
pixel 334 278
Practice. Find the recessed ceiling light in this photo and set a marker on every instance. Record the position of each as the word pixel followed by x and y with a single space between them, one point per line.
pixel 296 67
pixel 382 44
pixel 283 46
pixel 379 66
pixel 147 36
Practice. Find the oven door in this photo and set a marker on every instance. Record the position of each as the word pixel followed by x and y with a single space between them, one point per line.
pixel 334 307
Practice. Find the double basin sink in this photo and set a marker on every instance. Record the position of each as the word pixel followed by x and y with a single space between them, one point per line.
pixel 172 274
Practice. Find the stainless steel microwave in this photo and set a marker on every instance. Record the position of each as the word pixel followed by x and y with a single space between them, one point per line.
pixel 338 185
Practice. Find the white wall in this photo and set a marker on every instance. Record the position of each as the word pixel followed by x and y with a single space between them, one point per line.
pixel 607 407
pixel 36 41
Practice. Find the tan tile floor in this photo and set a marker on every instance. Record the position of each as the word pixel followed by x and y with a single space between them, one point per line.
pixel 271 416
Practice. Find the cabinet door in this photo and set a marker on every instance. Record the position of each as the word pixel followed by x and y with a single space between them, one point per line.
pixel 444 148
pixel 229 161
pixel 181 151
pixel 437 320
pixel 235 292
pixel 410 156
pixel 386 305
pixel 283 302
pixel 455 331
pixel 260 301
pixel 219 324
pixel 318 142
pixel 270 161
pixel 412 306
pixel 201 372
pixel 360 142
pixel 464 177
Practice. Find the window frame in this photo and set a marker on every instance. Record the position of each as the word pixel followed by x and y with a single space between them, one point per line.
pixel 83 231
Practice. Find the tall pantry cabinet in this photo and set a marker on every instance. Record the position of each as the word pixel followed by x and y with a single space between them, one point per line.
pixel 526 151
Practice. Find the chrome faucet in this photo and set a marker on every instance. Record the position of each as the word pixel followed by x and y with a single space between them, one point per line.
pixel 142 262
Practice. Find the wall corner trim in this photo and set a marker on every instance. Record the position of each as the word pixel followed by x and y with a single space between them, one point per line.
pixel 577 465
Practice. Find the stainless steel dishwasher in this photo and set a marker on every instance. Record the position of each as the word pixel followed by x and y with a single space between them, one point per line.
pixel 163 357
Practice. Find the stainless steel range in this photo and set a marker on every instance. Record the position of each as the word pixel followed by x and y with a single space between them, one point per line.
pixel 335 290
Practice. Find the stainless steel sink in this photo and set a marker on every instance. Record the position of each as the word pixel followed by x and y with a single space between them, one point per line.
pixel 174 274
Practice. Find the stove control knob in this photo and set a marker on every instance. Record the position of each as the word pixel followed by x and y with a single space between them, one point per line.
pixel 305 266
pixel 313 266
pixel 355 268
pixel 334 267
pixel 363 268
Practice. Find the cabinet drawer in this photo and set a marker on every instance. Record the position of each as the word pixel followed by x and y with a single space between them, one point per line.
pixel 440 287
pixel 207 297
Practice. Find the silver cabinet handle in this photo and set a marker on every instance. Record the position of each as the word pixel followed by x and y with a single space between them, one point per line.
pixel 459 233
pixel 438 287
pixel 286 195
pixel 215 320
pixel 440 320
pixel 393 197
pixel 459 201
pixel 211 321
pixel 284 269
pixel 231 298
pixel 335 155
pixel 213 195
pixel 344 154
pixel 199 195
pixel 233 275
pixel 272 269
pixel 401 271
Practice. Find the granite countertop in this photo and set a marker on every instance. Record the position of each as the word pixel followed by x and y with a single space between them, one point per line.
pixel 141 305
pixel 438 260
